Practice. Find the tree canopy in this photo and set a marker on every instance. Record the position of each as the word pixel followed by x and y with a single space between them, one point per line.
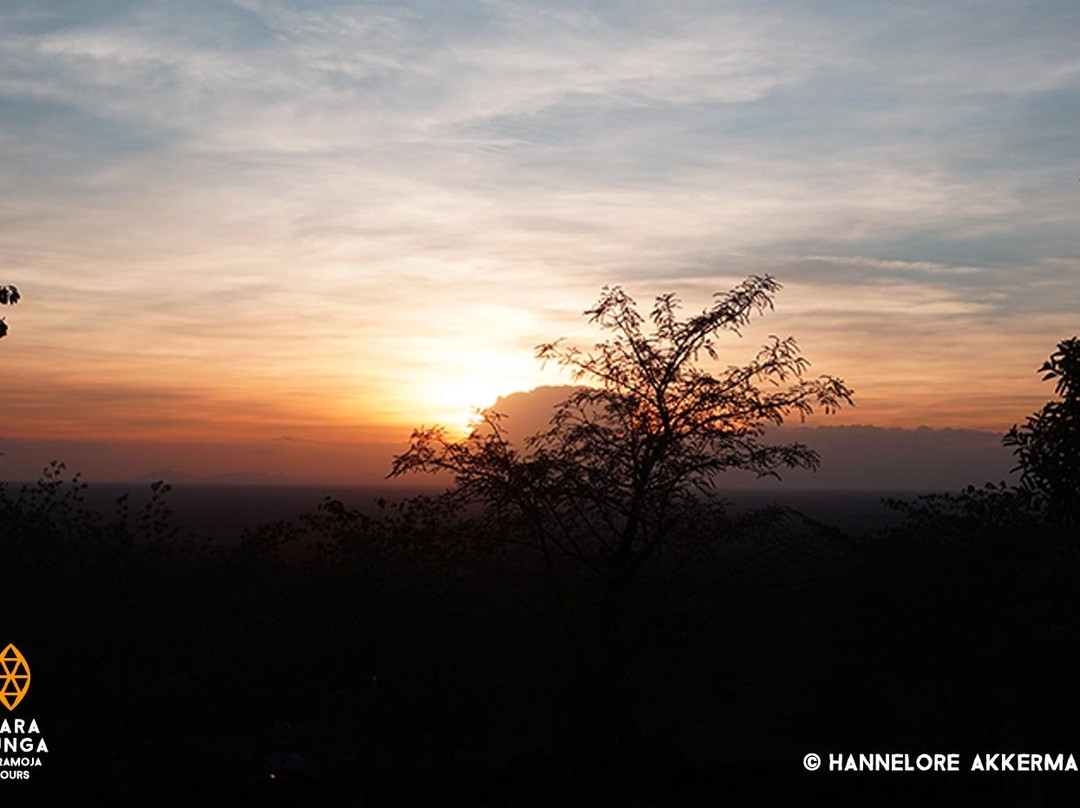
pixel 650 426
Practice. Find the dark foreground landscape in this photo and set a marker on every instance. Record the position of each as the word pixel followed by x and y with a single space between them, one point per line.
pixel 415 652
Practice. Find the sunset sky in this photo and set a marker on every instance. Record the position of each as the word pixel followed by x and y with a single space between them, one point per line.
pixel 279 229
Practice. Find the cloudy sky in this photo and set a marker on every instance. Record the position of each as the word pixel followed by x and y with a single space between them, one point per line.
pixel 320 224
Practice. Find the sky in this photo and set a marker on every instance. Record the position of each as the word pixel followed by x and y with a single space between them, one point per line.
pixel 262 235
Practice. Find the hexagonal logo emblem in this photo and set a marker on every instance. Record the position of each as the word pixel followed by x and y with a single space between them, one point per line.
pixel 14 677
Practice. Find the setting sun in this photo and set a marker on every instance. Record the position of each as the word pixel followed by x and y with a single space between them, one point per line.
pixel 452 397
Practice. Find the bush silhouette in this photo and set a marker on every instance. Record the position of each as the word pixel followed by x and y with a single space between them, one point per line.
pixel 1047 445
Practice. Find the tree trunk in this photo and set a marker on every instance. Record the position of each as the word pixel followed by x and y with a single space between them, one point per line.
pixel 600 702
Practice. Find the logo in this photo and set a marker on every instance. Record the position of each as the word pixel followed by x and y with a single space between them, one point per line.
pixel 21 744
pixel 14 677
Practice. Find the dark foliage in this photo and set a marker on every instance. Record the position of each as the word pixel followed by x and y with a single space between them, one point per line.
pixel 402 655
pixel 1047 445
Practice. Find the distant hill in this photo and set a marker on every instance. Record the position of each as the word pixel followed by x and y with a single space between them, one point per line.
pixel 232 478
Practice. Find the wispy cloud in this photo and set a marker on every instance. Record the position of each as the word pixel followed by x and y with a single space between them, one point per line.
pixel 368 214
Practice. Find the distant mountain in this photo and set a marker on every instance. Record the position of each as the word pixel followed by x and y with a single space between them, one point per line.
pixel 234 478
pixel 168 475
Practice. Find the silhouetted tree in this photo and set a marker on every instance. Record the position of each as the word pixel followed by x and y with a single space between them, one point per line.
pixel 623 478
pixel 9 296
pixel 1048 443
